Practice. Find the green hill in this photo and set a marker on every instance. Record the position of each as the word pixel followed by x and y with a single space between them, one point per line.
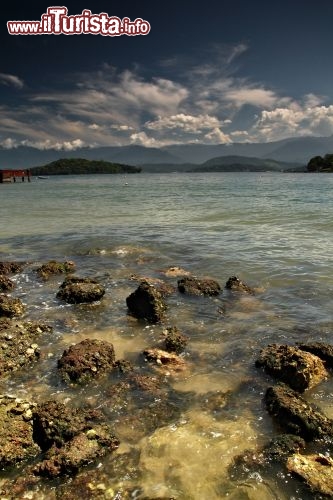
pixel 243 164
pixel 80 166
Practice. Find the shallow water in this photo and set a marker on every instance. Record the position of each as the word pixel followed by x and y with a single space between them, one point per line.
pixel 272 230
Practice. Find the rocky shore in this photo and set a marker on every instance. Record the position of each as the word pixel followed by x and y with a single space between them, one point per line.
pixel 49 441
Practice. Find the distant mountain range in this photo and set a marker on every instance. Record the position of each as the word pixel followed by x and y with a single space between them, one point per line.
pixel 294 151
pixel 227 164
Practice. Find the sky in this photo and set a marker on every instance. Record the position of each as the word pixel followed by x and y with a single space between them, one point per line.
pixel 211 72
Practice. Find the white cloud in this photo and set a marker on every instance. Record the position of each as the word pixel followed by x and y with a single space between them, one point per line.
pixel 297 120
pixel 240 135
pixel 11 80
pixel 58 146
pixel 94 126
pixel 216 136
pixel 258 97
pixel 142 139
pixel 205 103
pixel 184 122
pixel 8 143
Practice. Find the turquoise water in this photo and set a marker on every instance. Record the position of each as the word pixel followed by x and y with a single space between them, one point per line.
pixel 272 230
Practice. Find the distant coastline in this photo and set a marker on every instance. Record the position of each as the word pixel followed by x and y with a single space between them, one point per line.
pixel 81 166
pixel 232 163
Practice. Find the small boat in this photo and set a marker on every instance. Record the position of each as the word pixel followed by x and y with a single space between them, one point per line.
pixel 42 177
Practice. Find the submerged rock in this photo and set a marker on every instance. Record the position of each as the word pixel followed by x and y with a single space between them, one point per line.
pixel 119 481
pixel 315 470
pixel 164 359
pixel 71 438
pixel 299 369
pixel 6 284
pixel 235 284
pixel 320 349
pixel 81 450
pixel 18 346
pixel 175 341
pixel 275 452
pixel 10 306
pixel 76 290
pixel 86 360
pixel 175 272
pixel 296 415
pixel 54 267
pixel 11 267
pixel 146 302
pixel 198 286
pixel 55 423
pixel 16 431
pixel 141 403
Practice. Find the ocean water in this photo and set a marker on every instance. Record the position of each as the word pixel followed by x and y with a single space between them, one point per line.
pixel 274 231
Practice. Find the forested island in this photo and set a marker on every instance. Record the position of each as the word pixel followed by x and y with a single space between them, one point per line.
pixel 321 164
pixel 80 166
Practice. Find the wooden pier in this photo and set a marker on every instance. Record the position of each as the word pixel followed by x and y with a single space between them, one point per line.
pixel 14 175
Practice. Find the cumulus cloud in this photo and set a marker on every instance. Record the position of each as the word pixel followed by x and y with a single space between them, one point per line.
pixel 11 81
pixel 184 122
pixel 142 139
pixel 183 103
pixel 296 120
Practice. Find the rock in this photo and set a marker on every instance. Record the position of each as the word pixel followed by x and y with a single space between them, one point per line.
pixel 55 423
pixel 275 452
pixel 198 286
pixel 145 388
pixel 86 360
pixel 214 401
pixel 175 341
pixel 76 290
pixel 146 302
pixel 282 446
pixel 315 470
pixel 71 438
pixel 6 284
pixel 165 359
pixel 124 366
pixel 18 346
pixel 152 387
pixel 10 307
pixel 145 419
pixel 296 415
pixel 118 480
pixel 175 272
pixel 322 350
pixel 53 267
pixel 165 289
pixel 235 284
pixel 16 431
pixel 161 286
pixel 81 450
pixel 299 369
pixel 11 267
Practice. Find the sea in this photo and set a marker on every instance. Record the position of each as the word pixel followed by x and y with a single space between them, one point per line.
pixel 272 230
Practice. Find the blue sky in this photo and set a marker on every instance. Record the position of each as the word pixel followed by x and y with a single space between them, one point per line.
pixel 208 72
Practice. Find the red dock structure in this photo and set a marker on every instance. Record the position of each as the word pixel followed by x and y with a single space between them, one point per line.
pixel 14 175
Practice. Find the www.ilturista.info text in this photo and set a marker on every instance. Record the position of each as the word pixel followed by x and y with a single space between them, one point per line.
pixel 57 22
